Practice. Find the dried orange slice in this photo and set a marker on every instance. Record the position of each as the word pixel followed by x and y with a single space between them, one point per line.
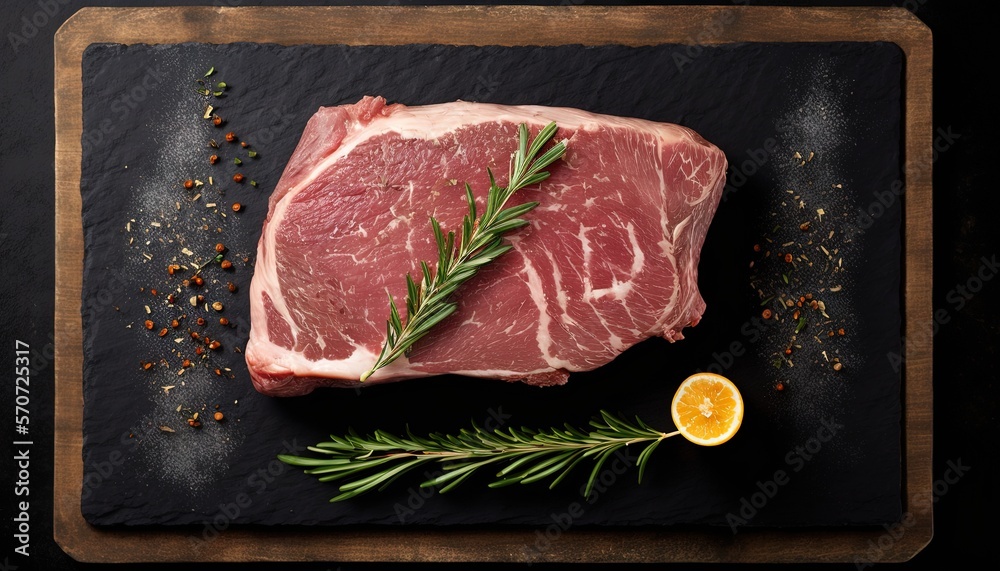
pixel 707 409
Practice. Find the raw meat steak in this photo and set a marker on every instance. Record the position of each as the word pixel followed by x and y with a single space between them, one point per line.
pixel 609 259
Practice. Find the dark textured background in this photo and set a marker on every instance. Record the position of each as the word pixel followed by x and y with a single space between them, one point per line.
pixel 737 97
pixel 965 397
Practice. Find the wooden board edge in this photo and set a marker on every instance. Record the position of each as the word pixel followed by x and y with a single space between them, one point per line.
pixel 641 24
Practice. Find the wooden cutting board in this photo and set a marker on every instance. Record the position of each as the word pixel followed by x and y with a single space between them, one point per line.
pixel 476 26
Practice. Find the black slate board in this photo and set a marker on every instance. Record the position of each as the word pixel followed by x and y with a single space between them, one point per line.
pixel 760 103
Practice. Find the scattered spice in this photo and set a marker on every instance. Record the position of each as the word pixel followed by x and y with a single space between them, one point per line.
pixel 226 264
pixel 215 345
pixel 218 416
pixel 756 247
pixel 779 386
pixel 231 287
pixel 230 137
pixel 217 306
pixel 217 121
pixel 175 324
pixel 163 332
pixel 766 314
pixel 213 159
pixel 198 281
pixel 244 144
pixel 149 324
pixel 220 247
pixel 805 226
pixel 837 366
pixel 788 258
pixel 145 365
pixel 199 351
pixel 200 321
pixel 237 207
pixel 841 332
pixel 186 363
pixel 189 184
pixel 223 321
pixel 237 177
pixel 237 161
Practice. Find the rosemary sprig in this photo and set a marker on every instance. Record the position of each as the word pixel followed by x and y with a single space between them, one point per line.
pixel 365 463
pixel 481 242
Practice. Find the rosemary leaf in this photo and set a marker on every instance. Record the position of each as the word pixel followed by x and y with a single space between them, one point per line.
pixel 479 243
pixel 364 463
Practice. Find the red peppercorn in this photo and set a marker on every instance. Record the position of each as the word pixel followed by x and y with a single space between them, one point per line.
pixel 213 159
pixel 237 207
pixel 230 137
pixel 189 184
pixel 226 265
pixel 237 177
pixel 766 314
pixel 788 258
pixel 149 324
pixel 216 120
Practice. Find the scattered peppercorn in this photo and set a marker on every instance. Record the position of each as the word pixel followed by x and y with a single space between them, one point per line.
pixel 186 363
pixel 780 386
pixel 226 265
pixel 237 207
pixel 175 324
pixel 218 373
pixel 145 366
pixel 237 177
pixel 186 283
pixel 230 137
pixel 163 332
pixel 766 314
pixel 795 314
pixel 218 416
pixel 198 281
pixel 194 423
pixel 217 121
pixel 213 159
pixel 831 334
pixel 189 184
pixel 173 268
pixel 171 299
pixel 244 144
pixel 194 335
pixel 217 306
pixel 232 287
pixel 837 366
pixel 788 258
pixel 200 298
pixel 201 321
pixel 788 351
pixel 220 247
pixel 152 292
pixel 841 332
pixel 149 324
pixel 805 226
pixel 223 321
pixel 214 345
pixel 199 351
pixel 756 247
